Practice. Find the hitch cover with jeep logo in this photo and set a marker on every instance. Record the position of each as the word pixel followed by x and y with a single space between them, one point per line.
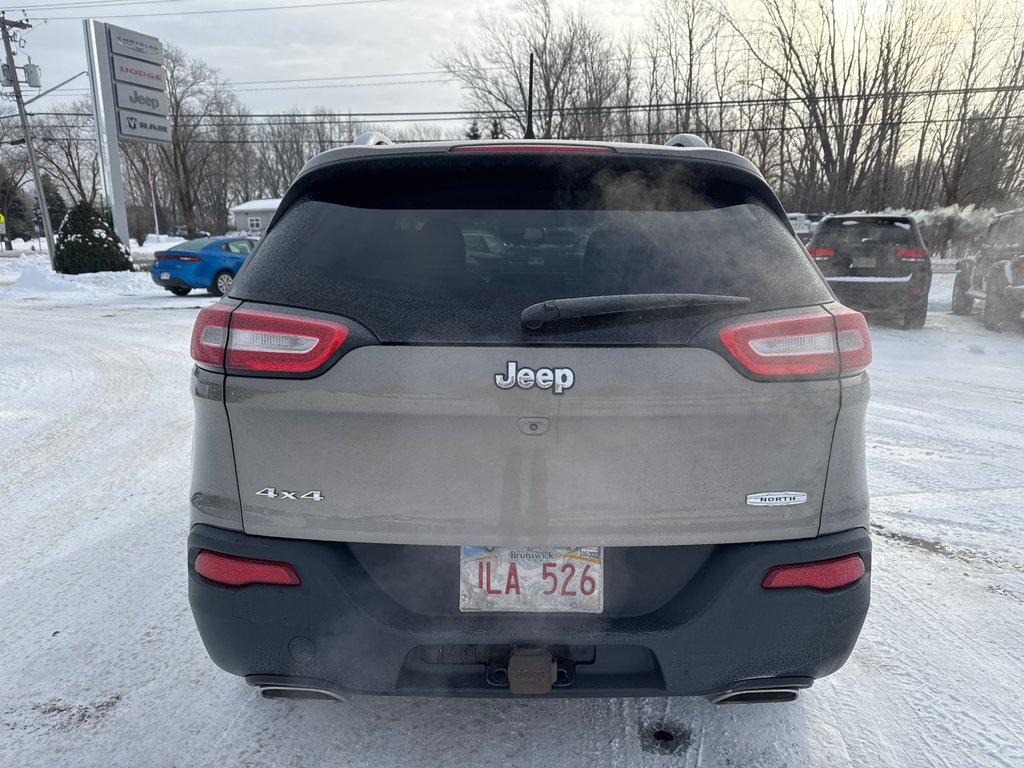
pixel 531 671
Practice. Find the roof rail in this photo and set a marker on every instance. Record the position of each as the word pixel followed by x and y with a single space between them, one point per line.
pixel 372 139
pixel 686 140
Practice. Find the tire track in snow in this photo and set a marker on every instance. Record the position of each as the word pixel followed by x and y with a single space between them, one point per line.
pixel 935 679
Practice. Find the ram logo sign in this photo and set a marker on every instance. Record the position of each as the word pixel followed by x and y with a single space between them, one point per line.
pixel 144 127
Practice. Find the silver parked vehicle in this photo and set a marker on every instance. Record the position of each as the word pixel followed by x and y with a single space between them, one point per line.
pixel 623 455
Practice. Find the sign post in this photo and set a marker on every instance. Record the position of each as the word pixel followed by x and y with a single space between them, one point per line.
pixel 129 99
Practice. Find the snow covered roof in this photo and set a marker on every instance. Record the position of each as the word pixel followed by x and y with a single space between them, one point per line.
pixel 257 205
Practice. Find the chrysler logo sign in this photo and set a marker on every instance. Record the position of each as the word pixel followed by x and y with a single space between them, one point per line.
pixel 136 45
pixel 144 47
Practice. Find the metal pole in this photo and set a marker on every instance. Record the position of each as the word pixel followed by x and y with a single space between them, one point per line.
pixel 152 193
pixel 58 85
pixel 5 27
pixel 98 49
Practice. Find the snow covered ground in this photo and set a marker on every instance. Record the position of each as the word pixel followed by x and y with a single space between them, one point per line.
pixel 102 665
pixel 34 251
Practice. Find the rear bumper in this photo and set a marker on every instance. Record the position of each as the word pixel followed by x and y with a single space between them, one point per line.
pixel 882 293
pixel 342 631
pixel 169 282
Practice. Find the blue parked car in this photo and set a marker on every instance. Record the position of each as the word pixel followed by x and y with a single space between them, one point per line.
pixel 209 262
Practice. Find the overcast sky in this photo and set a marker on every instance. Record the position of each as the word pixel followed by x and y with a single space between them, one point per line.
pixel 382 37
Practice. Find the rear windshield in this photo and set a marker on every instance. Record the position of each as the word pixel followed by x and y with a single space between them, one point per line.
pixel 455 257
pixel 194 245
pixel 865 231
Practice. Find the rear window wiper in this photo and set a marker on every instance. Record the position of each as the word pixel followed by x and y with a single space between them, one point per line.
pixel 536 316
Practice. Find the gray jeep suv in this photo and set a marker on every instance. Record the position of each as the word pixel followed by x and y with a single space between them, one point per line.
pixel 621 456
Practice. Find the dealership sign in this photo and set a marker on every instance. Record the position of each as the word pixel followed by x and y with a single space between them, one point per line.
pixel 140 99
pixel 129 100
pixel 125 42
pixel 134 125
pixel 131 82
pixel 139 72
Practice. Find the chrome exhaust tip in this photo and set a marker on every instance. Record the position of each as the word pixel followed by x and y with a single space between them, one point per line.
pixel 757 696
pixel 290 692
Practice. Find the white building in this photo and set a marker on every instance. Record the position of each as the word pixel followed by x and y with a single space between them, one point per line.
pixel 255 215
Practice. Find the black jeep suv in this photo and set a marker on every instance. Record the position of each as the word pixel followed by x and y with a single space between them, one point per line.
pixel 875 263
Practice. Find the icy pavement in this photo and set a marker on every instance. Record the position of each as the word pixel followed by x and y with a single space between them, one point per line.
pixel 102 665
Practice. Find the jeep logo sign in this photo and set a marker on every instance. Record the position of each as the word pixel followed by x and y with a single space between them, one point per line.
pixel 140 99
pixel 558 380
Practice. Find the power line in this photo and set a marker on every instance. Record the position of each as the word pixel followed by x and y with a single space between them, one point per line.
pixel 341 77
pixel 96 4
pixel 339 85
pixel 227 119
pixel 332 4
pixel 622 136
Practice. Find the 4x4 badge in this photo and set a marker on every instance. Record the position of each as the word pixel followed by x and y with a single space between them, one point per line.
pixel 278 493
pixel 558 380
pixel 776 498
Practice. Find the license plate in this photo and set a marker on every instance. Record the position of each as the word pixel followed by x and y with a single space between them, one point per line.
pixel 863 262
pixel 532 579
pixel 165 275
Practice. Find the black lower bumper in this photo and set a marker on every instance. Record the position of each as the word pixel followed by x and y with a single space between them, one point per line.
pixel 342 630
pixel 170 282
pixel 871 296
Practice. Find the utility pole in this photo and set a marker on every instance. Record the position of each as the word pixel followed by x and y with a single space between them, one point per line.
pixel 5 29
pixel 152 193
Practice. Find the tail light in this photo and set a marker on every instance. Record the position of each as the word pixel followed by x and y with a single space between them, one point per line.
pixel 271 342
pixel 821 253
pixel 823 575
pixel 912 254
pixel 263 342
pixel 854 341
pixel 817 344
pixel 210 336
pixel 240 571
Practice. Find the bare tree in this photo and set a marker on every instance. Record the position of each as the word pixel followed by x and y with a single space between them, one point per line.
pixel 571 72
pixel 67 147
pixel 199 101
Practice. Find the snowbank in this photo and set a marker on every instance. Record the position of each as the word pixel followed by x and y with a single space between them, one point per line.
pixel 30 277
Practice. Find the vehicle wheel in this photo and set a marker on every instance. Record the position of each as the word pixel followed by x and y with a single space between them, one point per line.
pixel 914 318
pixel 1000 314
pixel 180 291
pixel 962 303
pixel 222 283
